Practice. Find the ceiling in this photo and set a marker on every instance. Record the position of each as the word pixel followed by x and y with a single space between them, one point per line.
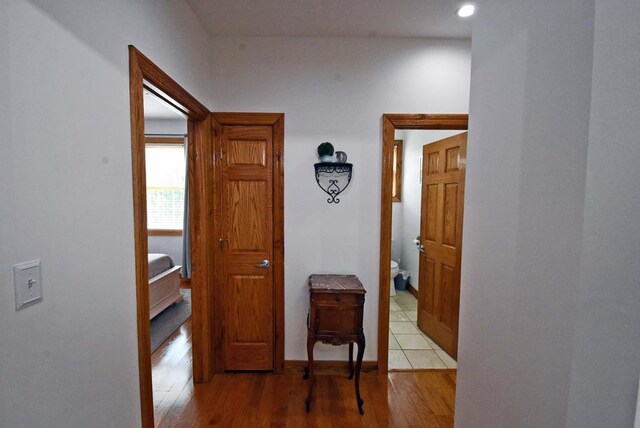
pixel 333 18
pixel 156 108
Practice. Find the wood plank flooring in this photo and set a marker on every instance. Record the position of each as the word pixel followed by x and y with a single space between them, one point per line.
pixel 401 399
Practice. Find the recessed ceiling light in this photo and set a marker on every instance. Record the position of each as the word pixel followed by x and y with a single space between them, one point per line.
pixel 466 11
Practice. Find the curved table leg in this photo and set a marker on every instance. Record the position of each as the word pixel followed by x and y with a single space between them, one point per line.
pixel 309 373
pixel 361 345
pixel 350 360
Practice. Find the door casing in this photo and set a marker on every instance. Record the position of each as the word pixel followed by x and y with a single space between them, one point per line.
pixel 202 227
pixel 391 122
pixel 276 121
pixel 142 69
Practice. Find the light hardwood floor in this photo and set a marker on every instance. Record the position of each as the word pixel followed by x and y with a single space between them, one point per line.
pixel 401 399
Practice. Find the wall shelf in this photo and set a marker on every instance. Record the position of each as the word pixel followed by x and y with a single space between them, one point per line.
pixel 333 178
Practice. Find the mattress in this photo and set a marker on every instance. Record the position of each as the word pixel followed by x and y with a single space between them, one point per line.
pixel 159 263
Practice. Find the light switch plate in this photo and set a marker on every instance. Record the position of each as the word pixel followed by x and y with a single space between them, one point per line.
pixel 28 283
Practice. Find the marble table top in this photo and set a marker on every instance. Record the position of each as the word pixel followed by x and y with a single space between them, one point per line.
pixel 335 284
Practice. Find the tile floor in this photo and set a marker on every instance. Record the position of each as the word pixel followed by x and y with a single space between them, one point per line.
pixel 410 348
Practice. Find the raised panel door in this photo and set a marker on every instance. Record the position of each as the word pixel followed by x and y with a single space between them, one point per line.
pixel 247 227
pixel 441 231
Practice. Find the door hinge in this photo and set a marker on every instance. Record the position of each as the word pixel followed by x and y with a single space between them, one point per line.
pixel 220 152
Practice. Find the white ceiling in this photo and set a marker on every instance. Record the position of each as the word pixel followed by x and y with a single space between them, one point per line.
pixel 155 108
pixel 333 18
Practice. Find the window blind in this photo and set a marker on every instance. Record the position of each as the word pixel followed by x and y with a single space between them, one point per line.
pixel 165 165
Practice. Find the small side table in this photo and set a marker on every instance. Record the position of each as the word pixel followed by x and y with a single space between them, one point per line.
pixel 335 316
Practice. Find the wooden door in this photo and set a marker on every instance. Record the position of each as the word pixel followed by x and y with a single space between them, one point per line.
pixel 443 174
pixel 246 215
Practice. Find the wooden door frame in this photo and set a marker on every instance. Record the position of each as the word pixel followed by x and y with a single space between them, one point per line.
pixel 256 119
pixel 391 122
pixel 142 69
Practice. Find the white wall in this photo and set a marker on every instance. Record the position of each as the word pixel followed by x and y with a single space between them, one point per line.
pixel 396 231
pixel 6 184
pixel 71 361
pixel 171 245
pixel 335 90
pixel 411 204
pixel 165 126
pixel 606 347
pixel 525 187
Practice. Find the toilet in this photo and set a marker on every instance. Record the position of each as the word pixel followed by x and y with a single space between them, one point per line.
pixel 395 270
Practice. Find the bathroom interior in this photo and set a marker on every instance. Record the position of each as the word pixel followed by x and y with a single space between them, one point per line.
pixel 409 347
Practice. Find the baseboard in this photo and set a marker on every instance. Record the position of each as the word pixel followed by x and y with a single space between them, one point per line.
pixel 185 282
pixel 328 367
pixel 412 290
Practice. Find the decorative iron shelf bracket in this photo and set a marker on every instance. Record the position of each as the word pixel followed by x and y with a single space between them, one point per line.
pixel 333 178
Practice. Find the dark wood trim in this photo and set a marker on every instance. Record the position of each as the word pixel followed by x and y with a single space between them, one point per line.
pixel 168 89
pixel 278 241
pixel 185 282
pixel 164 232
pixel 240 118
pixel 293 367
pixel 140 238
pixel 453 371
pixel 398 174
pixel 200 153
pixel 385 244
pixel 142 70
pixel 216 303
pixel 277 121
pixel 164 140
pixel 429 121
pixel 391 122
pixel 412 290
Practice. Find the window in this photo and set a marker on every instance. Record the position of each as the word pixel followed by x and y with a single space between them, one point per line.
pixel 396 187
pixel 165 165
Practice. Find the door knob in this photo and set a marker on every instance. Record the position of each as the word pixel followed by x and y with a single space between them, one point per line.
pixel 264 264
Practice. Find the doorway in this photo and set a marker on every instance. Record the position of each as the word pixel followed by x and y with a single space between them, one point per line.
pixel 207 156
pixel 169 289
pixel 412 193
pixel 145 76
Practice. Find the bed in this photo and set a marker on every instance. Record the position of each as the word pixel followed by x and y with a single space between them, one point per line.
pixel 164 283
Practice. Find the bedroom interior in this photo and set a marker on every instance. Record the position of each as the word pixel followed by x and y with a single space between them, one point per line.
pixel 165 163
pixel 165 130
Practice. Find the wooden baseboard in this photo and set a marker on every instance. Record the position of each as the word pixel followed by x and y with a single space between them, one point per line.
pixel 423 370
pixel 328 367
pixel 412 290
pixel 185 282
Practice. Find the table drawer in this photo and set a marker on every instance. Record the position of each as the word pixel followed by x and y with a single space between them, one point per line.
pixel 336 298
